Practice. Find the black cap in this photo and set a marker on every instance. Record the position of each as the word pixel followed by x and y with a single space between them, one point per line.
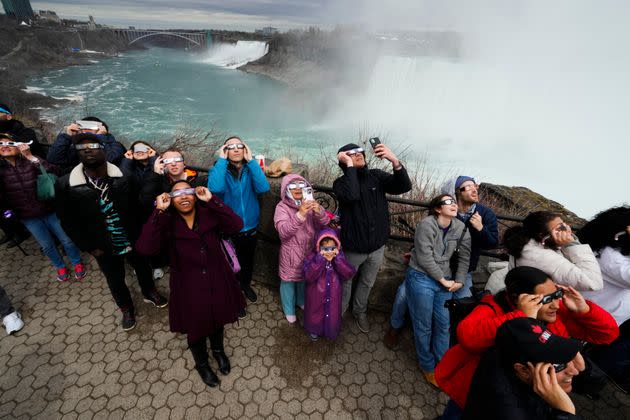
pixel 9 136
pixel 79 138
pixel 525 340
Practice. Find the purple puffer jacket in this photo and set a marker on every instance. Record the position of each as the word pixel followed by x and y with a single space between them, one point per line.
pixel 324 289
pixel 18 188
pixel 297 237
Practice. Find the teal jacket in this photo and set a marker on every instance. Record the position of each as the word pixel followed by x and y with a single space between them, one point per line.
pixel 241 192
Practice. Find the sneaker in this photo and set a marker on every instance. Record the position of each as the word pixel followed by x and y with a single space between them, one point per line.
pixel 250 294
pixel 13 322
pixel 291 318
pixel 242 314
pixel 391 338
pixel 129 319
pixel 158 273
pixel 79 271
pixel 314 337
pixel 62 274
pixel 362 322
pixel 156 299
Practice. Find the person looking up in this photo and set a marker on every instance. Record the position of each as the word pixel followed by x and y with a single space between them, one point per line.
pixel 239 180
pixel 138 161
pixel 9 124
pixel 97 205
pixel 364 219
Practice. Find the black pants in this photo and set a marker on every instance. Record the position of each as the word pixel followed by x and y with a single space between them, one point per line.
pixel 13 228
pixel 5 304
pixel 245 246
pixel 216 340
pixel 113 268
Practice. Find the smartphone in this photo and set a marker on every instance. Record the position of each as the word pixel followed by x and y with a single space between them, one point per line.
pixel 308 194
pixel 89 125
pixel 375 141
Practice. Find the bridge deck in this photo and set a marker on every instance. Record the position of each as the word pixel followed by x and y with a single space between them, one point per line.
pixel 73 361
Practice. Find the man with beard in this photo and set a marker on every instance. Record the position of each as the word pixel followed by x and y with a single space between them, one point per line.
pixel 364 216
pixel 97 207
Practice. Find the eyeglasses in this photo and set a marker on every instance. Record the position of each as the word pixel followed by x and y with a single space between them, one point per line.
pixel 559 367
pixel 88 146
pixel 183 191
pixel 447 202
pixel 354 151
pixel 296 185
pixel 235 146
pixel 469 187
pixel 329 248
pixel 172 160
pixel 14 143
pixel 619 234
pixel 552 296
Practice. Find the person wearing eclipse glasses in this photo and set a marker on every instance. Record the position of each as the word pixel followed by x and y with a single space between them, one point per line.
pixel 97 205
pixel 239 180
pixel 364 219
pixel 297 218
pixel 608 234
pixel 189 223
pixel 431 279
pixel 19 170
pixel 529 292
pixel 63 154
pixel 528 375
pixel 546 242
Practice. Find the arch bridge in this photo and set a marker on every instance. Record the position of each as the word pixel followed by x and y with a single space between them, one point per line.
pixel 132 36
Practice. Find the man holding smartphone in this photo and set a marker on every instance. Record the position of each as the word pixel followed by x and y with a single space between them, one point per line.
pixel 364 218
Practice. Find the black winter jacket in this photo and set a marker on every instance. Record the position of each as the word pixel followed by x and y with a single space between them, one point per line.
pixel 78 208
pixel 497 395
pixel 364 213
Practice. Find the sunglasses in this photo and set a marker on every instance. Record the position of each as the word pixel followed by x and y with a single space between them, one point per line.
pixel 355 151
pixel 88 146
pixel 469 187
pixel 14 143
pixel 447 202
pixel 172 160
pixel 183 191
pixel 296 185
pixel 140 149
pixel 329 248
pixel 553 296
pixel 235 146
pixel 559 367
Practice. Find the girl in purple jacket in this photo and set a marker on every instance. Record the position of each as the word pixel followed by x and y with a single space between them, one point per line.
pixel 297 219
pixel 324 272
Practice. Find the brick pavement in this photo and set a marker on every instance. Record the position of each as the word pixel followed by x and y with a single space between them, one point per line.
pixel 72 360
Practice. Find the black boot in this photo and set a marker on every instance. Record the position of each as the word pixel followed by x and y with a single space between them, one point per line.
pixel 216 342
pixel 199 351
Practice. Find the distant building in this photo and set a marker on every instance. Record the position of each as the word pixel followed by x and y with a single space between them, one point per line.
pixel 18 9
pixel 269 30
pixel 91 24
pixel 48 15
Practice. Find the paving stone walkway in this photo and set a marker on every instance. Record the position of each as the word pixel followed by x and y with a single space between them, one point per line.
pixel 73 361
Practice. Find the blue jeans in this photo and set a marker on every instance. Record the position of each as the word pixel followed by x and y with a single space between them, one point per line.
pixel 43 228
pixel 425 298
pixel 400 302
pixel 291 294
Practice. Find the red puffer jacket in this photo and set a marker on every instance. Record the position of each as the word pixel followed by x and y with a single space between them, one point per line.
pixel 18 188
pixel 476 333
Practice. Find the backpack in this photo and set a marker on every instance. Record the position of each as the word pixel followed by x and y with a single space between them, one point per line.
pixel 458 309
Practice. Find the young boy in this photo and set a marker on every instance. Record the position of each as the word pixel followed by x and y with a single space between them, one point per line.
pixel 324 272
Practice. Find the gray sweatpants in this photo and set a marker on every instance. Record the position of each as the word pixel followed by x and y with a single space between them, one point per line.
pixel 367 266
pixel 5 304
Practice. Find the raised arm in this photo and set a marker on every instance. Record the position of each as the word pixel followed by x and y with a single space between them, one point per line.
pixel 346 188
pixel 314 267
pixel 287 222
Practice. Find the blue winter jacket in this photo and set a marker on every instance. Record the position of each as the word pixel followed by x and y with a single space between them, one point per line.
pixel 241 193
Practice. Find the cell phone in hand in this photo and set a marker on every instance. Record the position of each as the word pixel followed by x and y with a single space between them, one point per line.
pixel 308 194
pixel 374 141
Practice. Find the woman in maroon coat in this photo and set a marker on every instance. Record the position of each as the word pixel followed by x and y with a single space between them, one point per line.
pixel 204 292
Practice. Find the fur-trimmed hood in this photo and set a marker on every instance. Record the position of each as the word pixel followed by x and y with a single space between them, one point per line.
pixel 77 176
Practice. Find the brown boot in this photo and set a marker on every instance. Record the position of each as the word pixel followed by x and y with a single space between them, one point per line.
pixel 430 377
pixel 391 338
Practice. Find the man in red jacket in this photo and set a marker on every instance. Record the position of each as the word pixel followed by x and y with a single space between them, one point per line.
pixel 529 293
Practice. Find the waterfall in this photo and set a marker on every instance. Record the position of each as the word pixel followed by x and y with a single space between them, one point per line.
pixel 232 56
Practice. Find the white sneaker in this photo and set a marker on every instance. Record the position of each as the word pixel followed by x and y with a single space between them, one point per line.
pixel 13 322
pixel 158 273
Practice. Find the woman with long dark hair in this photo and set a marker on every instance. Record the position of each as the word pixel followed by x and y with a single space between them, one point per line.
pixel 546 242
pixel 430 281
pixel 188 224
pixel 609 236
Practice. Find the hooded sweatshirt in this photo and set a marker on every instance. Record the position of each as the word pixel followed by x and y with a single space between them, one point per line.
pixel 297 235
pixel 324 289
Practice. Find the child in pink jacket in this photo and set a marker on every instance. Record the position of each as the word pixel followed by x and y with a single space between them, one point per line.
pixel 298 219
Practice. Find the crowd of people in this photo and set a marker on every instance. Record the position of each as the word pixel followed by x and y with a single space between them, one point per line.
pixel 517 354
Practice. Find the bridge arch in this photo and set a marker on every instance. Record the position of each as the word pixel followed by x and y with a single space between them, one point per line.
pixel 165 33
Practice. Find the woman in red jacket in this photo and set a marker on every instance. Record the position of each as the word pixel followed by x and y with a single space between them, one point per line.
pixel 529 292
